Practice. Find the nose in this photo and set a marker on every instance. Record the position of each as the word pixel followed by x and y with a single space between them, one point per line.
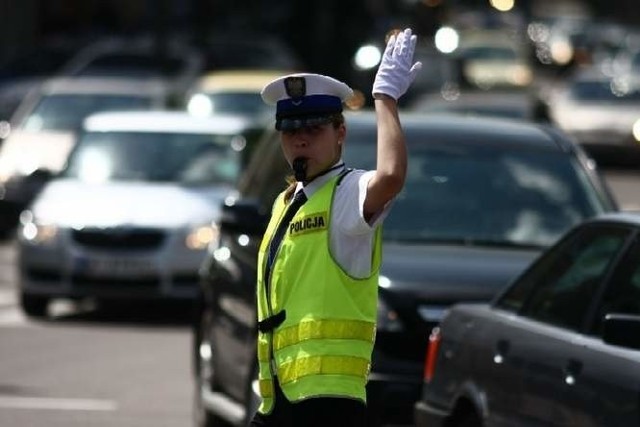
pixel 300 137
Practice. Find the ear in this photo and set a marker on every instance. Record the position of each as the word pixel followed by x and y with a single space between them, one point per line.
pixel 342 132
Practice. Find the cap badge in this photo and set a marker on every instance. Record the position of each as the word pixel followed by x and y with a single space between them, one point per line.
pixel 296 87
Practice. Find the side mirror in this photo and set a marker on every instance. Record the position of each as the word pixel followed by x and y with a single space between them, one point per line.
pixel 244 217
pixel 622 330
pixel 42 174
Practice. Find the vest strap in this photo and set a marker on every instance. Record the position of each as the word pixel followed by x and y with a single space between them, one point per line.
pixel 272 322
pixel 266 388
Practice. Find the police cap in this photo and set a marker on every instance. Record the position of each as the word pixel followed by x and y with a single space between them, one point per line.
pixel 305 99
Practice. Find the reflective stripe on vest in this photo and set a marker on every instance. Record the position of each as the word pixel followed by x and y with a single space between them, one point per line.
pixel 319 329
pixel 317 365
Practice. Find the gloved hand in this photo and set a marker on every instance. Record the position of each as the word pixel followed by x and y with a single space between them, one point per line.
pixel 397 70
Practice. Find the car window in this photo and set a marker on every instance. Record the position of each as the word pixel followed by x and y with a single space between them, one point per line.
pixel 66 112
pixel 264 183
pixel 479 194
pixel 623 291
pixel 190 159
pixel 604 91
pixel 489 53
pixel 563 286
pixel 239 103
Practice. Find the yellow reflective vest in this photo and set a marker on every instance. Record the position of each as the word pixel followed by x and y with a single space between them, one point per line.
pixel 323 347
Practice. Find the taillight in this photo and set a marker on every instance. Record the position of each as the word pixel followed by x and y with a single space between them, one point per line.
pixel 432 354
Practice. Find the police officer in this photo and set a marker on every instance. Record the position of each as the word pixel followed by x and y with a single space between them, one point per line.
pixel 320 256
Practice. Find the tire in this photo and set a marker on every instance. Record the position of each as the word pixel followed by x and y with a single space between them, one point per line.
pixel 204 374
pixel 466 419
pixel 34 305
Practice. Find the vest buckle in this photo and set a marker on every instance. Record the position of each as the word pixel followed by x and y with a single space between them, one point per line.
pixel 272 322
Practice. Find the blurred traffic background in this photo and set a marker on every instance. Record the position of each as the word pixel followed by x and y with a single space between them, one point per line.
pixel 538 48
pixel 126 125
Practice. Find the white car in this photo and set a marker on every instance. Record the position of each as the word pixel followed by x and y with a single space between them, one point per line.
pixel 43 131
pixel 602 113
pixel 131 215
pixel 494 59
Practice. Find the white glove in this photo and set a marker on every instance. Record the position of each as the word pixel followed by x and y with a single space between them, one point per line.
pixel 397 70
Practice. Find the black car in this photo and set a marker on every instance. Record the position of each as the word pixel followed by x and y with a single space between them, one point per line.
pixel 482 198
pixel 559 347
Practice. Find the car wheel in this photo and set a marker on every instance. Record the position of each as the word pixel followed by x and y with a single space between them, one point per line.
pixel 466 419
pixel 34 306
pixel 204 373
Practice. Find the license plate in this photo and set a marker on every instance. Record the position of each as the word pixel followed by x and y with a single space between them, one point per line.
pixel 114 267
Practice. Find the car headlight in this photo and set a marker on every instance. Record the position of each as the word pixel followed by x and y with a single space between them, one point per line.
pixel 200 105
pixel 200 237
pixel 636 130
pixel 35 232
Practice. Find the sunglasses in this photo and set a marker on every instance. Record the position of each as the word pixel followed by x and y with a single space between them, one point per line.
pixel 299 123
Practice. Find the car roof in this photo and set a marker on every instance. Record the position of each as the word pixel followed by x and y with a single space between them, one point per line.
pixel 625 217
pixel 471 129
pixel 518 102
pixel 165 121
pixel 90 85
pixel 238 80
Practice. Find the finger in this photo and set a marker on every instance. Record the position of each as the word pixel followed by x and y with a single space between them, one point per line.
pixel 414 71
pixel 412 45
pixel 406 40
pixel 397 49
pixel 388 51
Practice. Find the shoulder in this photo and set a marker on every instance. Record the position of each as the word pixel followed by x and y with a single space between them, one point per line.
pixel 352 180
pixel 348 200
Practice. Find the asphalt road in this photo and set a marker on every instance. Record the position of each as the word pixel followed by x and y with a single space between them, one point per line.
pixel 124 368
pixel 86 368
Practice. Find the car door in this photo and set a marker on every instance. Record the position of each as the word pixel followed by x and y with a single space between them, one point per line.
pixel 564 285
pixel 235 318
pixel 606 390
pixel 496 367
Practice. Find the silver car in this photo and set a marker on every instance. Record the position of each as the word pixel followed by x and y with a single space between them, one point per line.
pixel 131 215
pixel 560 346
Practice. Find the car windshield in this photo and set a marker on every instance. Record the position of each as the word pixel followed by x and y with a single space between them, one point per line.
pixel 188 159
pixel 239 103
pixel 506 110
pixel 483 195
pixel 489 53
pixel 66 112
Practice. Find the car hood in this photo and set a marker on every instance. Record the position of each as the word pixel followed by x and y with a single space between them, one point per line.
pixel 24 151
pixel 78 204
pixel 448 273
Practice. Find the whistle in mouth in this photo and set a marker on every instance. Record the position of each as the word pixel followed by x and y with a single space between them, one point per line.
pixel 300 168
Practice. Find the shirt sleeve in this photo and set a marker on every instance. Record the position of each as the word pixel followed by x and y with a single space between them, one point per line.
pixel 349 204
